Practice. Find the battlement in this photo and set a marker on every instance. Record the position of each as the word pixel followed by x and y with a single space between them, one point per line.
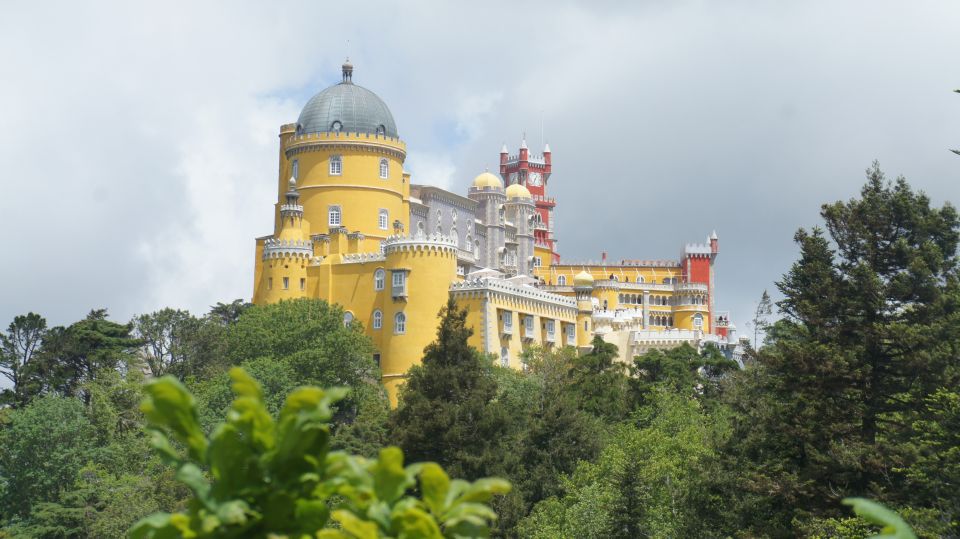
pixel 433 242
pixel 622 263
pixel 277 248
pixel 288 208
pixel 363 258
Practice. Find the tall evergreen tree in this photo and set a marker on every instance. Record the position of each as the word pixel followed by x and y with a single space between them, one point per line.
pixel 868 335
pixel 599 381
pixel 447 411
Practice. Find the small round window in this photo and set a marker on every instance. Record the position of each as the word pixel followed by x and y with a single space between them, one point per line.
pixel 336 126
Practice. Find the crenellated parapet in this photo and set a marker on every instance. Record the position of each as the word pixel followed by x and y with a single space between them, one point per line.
pixel 363 258
pixel 523 293
pixel 433 242
pixel 279 248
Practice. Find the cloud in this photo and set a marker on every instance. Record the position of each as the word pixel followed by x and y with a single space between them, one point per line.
pixel 139 142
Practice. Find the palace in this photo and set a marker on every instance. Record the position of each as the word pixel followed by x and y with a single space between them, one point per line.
pixel 351 228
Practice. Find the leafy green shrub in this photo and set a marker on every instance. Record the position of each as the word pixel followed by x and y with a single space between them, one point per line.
pixel 280 479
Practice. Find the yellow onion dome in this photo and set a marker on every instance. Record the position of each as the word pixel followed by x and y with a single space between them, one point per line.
pixel 583 279
pixel 517 191
pixel 487 180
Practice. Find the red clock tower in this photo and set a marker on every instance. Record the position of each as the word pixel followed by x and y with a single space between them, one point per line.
pixel 533 172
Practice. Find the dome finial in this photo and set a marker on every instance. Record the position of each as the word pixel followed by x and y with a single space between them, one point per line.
pixel 347 71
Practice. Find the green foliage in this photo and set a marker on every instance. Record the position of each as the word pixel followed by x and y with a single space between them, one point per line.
pixel 18 346
pixel 44 446
pixel 279 478
pixel 644 481
pixel 892 526
pixel 448 412
pixel 840 393
pixel 682 369
pixel 597 379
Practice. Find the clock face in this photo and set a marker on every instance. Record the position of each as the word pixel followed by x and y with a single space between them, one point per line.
pixel 535 178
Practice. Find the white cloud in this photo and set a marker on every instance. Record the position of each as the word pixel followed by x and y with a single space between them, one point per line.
pixel 139 142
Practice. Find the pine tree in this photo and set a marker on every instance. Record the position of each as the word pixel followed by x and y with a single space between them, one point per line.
pixel 868 335
pixel 447 412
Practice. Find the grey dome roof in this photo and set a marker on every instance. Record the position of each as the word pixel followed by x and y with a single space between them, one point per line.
pixel 357 110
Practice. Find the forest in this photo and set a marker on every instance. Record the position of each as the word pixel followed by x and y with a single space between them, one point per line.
pixel 852 391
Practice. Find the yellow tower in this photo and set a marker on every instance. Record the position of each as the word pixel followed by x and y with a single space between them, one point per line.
pixel 283 259
pixel 347 158
pixel 583 288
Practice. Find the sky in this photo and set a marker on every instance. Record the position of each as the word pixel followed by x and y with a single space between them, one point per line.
pixel 138 141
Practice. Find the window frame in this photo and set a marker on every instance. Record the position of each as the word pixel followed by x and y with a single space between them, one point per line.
pixel 379 279
pixel 383 219
pixel 377 317
pixel 399 323
pixel 336 165
pixel 334 209
pixel 384 169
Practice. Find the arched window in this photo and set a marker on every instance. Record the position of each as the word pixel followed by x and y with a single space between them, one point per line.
pixel 336 165
pixel 384 169
pixel 666 280
pixel 504 356
pixel 377 319
pixel 334 216
pixel 698 321
pixel 640 279
pixel 454 236
pixel 420 229
pixel 562 280
pixel 383 219
pixel 379 279
pixel 347 318
pixel 381 130
pixel 399 324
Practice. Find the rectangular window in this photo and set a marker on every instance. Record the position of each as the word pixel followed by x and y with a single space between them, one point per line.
pixel 303 283
pixel 383 219
pixel 295 169
pixel 286 283
pixel 399 284
pixel 336 165
pixel 528 326
pixel 507 322
pixel 376 359
pixel 269 283
pixel 537 262
pixel 335 219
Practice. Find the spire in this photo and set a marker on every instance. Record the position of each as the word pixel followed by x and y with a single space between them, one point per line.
pixel 504 148
pixel 347 72
pixel 523 143
pixel 293 196
pixel 546 148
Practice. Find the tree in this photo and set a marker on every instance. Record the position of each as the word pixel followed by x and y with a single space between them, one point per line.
pixel 279 478
pixel 645 482
pixel 761 318
pixel 598 380
pixel 45 445
pixel 166 336
pixel 73 356
pixel 17 349
pixel 868 335
pixel 447 411
pixel 228 313
pixel 681 369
